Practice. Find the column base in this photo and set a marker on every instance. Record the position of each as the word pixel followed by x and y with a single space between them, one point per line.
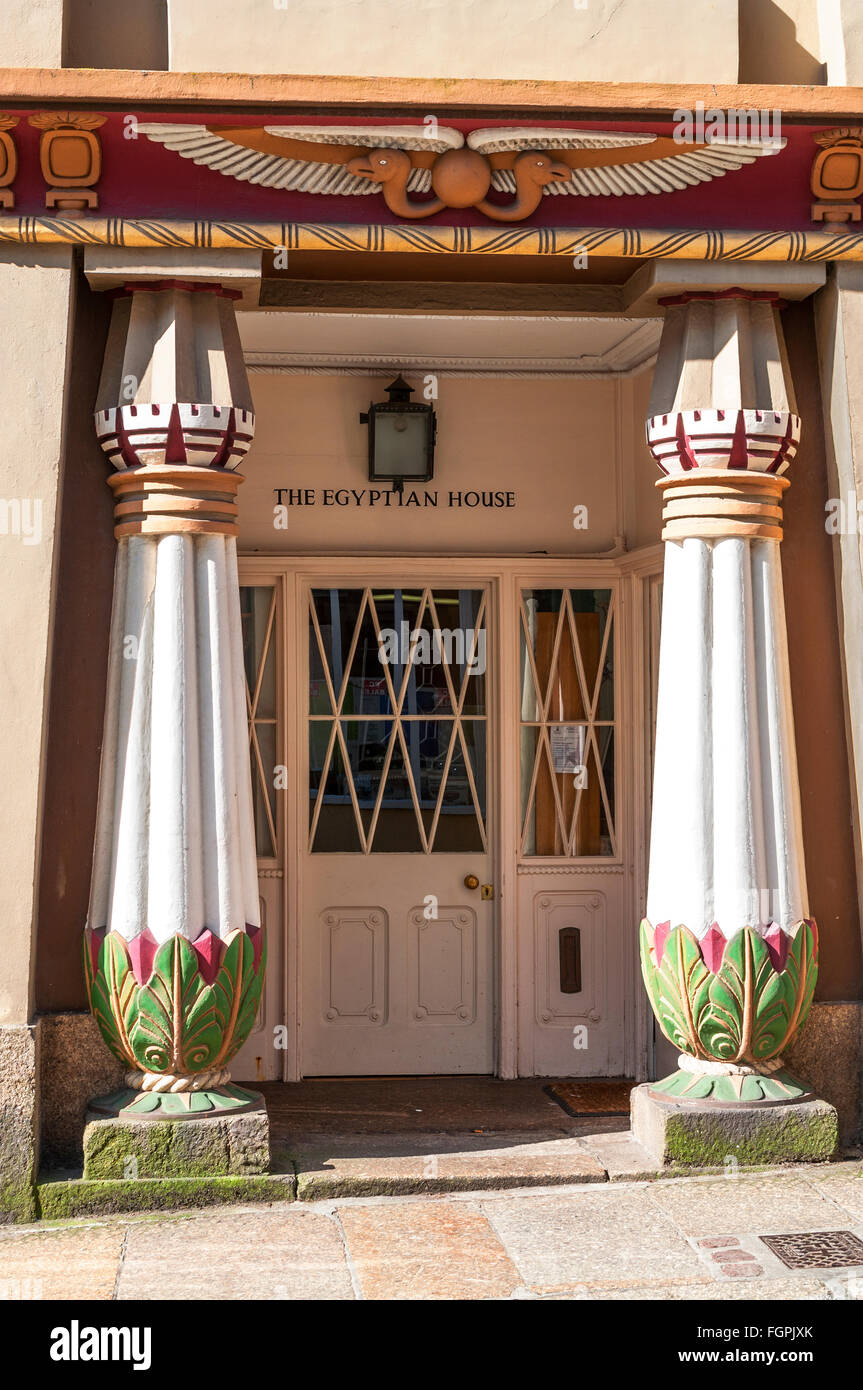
pixel 733 1086
pixel 708 1131
pixel 180 1105
pixel 198 1145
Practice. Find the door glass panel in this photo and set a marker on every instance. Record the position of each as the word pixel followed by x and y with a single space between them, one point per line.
pixel 333 818
pixel 257 617
pixel 462 806
pixel 397 831
pixel 567 722
pixel 402 767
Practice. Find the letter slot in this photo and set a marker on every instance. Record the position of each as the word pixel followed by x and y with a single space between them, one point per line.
pixel 569 943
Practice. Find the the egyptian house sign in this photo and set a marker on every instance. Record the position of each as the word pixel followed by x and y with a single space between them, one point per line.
pixel 407 163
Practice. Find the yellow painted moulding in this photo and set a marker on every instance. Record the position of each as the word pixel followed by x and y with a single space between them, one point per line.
pixel 636 243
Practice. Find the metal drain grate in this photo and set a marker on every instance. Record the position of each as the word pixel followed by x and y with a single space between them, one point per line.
pixel 816 1249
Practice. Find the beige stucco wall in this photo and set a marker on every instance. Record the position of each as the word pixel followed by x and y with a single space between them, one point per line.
pixel 553 443
pixel 841 36
pixel 603 40
pixel 35 307
pixel 31 34
pixel 780 41
pixel 642 498
pixel 775 41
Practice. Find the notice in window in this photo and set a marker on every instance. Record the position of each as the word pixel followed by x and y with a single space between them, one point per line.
pixel 567 747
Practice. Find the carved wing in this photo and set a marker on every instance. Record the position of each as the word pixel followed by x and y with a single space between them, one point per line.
pixel 552 138
pixel 308 159
pixel 605 164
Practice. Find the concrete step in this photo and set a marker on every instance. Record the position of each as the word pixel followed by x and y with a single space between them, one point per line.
pixel 386 1165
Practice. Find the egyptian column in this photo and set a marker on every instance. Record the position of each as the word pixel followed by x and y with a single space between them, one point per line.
pixel 729 950
pixel 174 952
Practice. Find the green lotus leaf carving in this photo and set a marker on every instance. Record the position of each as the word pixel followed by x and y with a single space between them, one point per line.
pixel 746 1011
pixel 175 1022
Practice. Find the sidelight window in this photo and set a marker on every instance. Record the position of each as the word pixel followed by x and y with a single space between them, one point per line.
pixel 567 723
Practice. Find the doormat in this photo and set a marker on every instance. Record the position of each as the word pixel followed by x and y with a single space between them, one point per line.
pixel 597 1099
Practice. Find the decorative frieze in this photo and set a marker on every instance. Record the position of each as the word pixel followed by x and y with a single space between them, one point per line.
pixel 8 161
pixel 70 156
pixel 162 168
pixel 458 170
pixel 837 175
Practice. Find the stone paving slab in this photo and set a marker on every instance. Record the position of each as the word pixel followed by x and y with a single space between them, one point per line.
pixel 769 1204
pixel 394 1165
pixel 593 1235
pixel 744 1291
pixel 844 1187
pixel 628 1240
pixel 72 1263
pixel 428 1250
pixel 280 1253
pixel 622 1157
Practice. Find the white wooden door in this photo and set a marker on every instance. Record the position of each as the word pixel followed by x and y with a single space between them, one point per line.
pixel 397 930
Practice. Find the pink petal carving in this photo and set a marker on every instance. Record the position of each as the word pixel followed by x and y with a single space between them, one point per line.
pixel 208 949
pixel 257 939
pixel 659 939
pixel 95 937
pixel 776 941
pixel 142 953
pixel 713 948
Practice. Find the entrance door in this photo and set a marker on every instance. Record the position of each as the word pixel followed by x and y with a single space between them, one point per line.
pixel 398 907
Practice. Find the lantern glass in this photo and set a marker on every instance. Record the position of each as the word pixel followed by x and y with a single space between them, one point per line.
pixel 401 444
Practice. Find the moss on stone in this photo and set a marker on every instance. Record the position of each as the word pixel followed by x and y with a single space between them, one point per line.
pixel 83 1197
pixel 117 1149
pixel 109 1148
pixel 18 1202
pixel 797 1136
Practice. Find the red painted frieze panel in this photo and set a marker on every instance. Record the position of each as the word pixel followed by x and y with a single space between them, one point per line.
pixel 462 172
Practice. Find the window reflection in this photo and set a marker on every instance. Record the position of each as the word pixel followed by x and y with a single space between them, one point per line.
pixel 567 732
pixel 397 720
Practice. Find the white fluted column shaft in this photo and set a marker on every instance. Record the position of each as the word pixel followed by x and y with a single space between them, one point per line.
pixel 175 837
pixel 726 839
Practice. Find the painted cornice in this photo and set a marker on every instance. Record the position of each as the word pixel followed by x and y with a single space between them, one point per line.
pixel 121 87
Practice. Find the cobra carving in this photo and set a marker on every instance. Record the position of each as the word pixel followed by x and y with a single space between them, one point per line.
pixel 421 170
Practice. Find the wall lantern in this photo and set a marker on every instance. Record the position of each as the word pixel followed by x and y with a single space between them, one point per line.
pixel 401 437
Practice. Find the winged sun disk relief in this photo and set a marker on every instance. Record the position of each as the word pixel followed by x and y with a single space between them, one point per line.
pixel 401 161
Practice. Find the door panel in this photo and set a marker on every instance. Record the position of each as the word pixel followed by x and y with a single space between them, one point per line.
pixel 571 881
pixel 397 951
pixel 261 1058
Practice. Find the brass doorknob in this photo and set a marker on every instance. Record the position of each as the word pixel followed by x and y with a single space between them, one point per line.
pixel 471 881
